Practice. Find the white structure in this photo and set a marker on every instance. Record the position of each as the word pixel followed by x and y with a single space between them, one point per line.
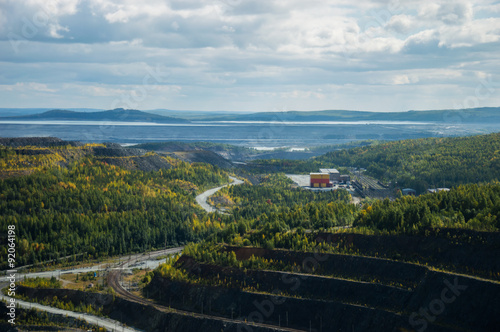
pixel 333 172
pixel 437 190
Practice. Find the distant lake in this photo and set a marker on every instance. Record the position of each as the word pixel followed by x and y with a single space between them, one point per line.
pixel 210 123
pixel 244 133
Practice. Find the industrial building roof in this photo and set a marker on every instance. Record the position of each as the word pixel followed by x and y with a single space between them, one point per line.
pixel 328 170
pixel 438 190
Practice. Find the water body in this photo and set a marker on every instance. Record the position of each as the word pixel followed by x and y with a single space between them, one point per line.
pixel 244 133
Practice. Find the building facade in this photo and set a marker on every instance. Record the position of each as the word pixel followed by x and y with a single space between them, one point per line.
pixel 320 180
pixel 332 172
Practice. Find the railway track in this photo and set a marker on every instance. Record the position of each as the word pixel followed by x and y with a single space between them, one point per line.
pixel 369 187
pixel 114 282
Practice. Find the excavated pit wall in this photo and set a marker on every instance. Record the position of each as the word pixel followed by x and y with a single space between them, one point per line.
pixel 144 317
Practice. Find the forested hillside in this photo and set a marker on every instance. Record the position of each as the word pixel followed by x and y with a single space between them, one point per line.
pixel 389 265
pixel 469 206
pixel 426 163
pixel 100 209
pixel 272 211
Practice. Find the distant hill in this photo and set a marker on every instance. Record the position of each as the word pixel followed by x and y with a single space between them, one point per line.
pixel 118 114
pixel 193 115
pixel 203 156
pixel 27 111
pixel 41 142
pixel 227 151
pixel 472 115
pixel 236 153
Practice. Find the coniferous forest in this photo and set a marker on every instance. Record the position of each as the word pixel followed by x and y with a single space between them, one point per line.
pixel 93 208
pixel 94 201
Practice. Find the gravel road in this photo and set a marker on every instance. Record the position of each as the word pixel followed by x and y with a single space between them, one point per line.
pixel 201 199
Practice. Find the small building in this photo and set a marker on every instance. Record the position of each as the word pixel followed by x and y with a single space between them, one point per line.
pixel 409 191
pixel 332 172
pixel 437 190
pixel 345 178
pixel 320 180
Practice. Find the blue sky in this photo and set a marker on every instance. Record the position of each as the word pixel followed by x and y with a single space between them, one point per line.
pixel 242 55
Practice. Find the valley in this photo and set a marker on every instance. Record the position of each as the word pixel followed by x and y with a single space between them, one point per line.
pixel 263 254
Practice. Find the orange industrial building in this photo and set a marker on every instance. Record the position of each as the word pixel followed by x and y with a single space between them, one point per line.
pixel 320 180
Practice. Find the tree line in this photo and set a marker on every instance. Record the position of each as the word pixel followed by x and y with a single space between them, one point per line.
pixel 98 209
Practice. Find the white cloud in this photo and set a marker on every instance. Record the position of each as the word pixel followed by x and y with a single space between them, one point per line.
pixel 219 52
pixel 471 34
pixel 299 94
pixel 400 79
pixel 27 87
pixel 448 12
pixel 401 24
pixel 101 91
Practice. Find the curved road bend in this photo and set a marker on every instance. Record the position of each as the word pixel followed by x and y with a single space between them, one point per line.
pixel 109 324
pixel 201 199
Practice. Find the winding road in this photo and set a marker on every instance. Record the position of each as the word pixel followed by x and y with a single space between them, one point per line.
pixel 98 267
pixel 201 199
pixel 109 324
pixel 114 277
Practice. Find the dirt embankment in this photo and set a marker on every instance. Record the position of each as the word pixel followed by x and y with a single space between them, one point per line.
pixel 143 163
pixel 462 251
pixel 130 158
pixel 147 318
pixel 202 156
pixel 373 295
pixel 298 313
pixel 361 268
pixel 438 300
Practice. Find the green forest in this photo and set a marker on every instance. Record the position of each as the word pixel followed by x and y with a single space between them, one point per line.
pixel 98 209
pixel 427 162
pixel 469 207
pixel 415 163
pixel 86 206
pixel 274 207
pixel 472 206
pixel 465 216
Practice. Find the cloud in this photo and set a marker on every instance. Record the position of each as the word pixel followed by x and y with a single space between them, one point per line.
pixel 36 19
pixel 401 24
pixel 221 52
pixel 27 87
pixel 448 12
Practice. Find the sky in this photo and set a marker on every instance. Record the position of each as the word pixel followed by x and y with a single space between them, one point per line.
pixel 250 55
